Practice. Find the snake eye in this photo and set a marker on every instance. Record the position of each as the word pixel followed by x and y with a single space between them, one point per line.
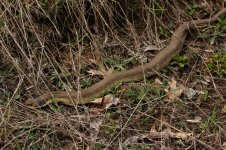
pixel 41 102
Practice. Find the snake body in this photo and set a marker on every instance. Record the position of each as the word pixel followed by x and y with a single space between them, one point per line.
pixel 140 72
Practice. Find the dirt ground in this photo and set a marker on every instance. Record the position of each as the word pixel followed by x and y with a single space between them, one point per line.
pixel 52 45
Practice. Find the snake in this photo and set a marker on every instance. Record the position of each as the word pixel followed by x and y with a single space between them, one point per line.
pixel 161 60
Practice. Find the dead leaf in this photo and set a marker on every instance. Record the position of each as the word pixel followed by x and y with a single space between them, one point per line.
pixel 190 93
pixel 151 48
pixel 197 119
pixel 101 68
pixel 209 50
pixel 157 84
pixel 167 134
pixel 207 78
pixel 95 126
pixel 224 145
pixel 157 81
pixel 131 140
pixel 204 82
pixel 174 92
pixel 98 63
pixel 203 3
pixel 106 102
pixel 224 108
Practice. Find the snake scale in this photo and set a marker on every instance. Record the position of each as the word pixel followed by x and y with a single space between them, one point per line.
pixel 140 72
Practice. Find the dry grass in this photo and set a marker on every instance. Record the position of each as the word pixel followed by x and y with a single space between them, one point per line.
pixel 45 46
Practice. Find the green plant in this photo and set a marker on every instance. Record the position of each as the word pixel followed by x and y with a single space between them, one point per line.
pixel 6 68
pixel 110 130
pixel 216 33
pixel 161 31
pixel 219 30
pixel 32 137
pixel 60 84
pixel 210 122
pixel 156 8
pixel 16 97
pixel 217 64
pixel 164 33
pixel 193 8
pixel 221 25
pixel 145 93
pixel 117 63
pixel 100 145
pixel 136 94
pixel 7 94
pixel 45 2
pixel 143 146
pixel 180 60
pixel 50 142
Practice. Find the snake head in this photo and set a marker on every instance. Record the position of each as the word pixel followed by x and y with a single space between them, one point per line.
pixel 36 102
